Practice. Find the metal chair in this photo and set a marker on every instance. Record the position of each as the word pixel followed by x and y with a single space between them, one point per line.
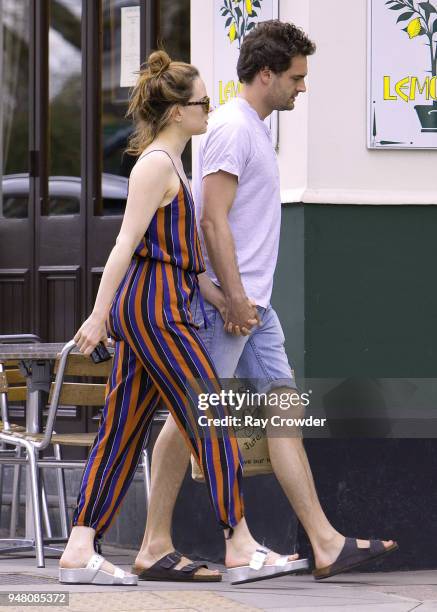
pixel 12 378
pixel 79 394
pixel 13 388
pixel 160 415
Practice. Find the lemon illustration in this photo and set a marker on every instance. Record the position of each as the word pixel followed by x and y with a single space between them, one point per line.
pixel 232 32
pixel 249 7
pixel 414 28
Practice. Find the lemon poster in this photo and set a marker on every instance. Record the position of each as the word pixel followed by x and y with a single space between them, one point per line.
pixel 402 110
pixel 233 20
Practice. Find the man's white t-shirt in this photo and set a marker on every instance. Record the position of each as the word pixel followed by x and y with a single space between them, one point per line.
pixel 239 142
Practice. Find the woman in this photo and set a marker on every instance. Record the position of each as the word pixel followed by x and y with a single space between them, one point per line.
pixel 144 298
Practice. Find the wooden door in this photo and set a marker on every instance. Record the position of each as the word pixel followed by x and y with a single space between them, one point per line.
pixel 64 175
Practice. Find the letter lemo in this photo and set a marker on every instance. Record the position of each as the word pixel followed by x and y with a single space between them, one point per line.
pixel 407 88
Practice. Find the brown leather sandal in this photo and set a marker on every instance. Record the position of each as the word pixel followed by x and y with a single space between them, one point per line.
pixel 164 570
pixel 351 557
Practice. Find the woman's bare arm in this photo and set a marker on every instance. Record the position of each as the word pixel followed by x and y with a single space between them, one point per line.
pixel 212 293
pixel 149 185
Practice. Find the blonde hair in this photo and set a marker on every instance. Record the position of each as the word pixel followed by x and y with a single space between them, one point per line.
pixel 161 84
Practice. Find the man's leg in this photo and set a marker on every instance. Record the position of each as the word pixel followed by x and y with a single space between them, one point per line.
pixel 170 459
pixel 291 467
pixel 264 361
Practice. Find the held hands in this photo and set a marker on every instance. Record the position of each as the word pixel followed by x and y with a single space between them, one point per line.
pixel 240 315
pixel 92 331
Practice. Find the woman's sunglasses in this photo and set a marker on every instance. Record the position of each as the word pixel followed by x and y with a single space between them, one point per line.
pixel 205 102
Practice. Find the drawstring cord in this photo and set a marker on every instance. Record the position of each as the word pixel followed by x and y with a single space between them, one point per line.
pixel 206 321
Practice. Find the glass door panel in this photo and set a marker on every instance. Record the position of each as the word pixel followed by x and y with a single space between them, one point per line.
pixel 174 35
pixel 15 108
pixel 65 93
pixel 121 54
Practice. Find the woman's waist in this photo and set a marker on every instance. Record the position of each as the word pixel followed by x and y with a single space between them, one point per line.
pixel 165 259
pixel 161 281
pixel 179 255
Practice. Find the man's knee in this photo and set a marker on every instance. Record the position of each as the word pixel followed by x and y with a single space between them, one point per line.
pixel 284 412
pixel 286 402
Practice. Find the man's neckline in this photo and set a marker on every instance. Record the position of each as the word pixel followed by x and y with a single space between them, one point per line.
pixel 249 106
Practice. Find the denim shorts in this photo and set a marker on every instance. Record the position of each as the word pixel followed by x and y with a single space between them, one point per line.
pixel 259 357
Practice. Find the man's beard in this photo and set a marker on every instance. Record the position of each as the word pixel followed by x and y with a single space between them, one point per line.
pixel 285 106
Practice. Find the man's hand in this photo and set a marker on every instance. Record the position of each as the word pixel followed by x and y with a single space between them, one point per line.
pixel 240 315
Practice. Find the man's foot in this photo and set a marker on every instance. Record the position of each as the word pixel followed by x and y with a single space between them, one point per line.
pixel 328 553
pixel 145 560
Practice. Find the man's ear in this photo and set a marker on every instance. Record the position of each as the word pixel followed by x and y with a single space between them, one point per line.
pixel 265 74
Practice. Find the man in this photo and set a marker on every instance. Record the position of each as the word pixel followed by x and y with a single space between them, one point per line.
pixel 237 195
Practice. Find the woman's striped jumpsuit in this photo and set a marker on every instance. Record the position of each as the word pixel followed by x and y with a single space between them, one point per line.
pixel 159 357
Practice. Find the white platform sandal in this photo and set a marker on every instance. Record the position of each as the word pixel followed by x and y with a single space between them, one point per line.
pixel 92 574
pixel 258 570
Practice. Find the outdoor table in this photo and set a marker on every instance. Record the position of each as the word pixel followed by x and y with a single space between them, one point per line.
pixel 36 361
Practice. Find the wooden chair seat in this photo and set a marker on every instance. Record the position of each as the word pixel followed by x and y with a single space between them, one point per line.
pixel 66 439
pixel 81 365
pixel 13 427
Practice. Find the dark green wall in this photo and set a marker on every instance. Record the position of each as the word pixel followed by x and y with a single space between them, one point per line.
pixel 371 291
pixel 371 311
pixel 288 296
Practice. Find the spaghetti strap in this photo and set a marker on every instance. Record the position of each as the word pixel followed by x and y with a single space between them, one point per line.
pixel 187 187
pixel 168 155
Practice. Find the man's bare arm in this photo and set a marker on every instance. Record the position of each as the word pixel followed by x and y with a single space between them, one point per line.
pixel 219 190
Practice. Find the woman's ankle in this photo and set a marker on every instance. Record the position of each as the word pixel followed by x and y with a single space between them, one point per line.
pixel 81 541
pixel 240 537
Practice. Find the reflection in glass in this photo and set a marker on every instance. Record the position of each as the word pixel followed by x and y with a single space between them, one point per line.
pixel 15 206
pixel 115 127
pixel 174 34
pixel 15 100
pixel 65 91
pixel 174 28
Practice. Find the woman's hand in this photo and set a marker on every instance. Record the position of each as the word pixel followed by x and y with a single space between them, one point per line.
pixel 92 332
pixel 235 329
pixel 215 296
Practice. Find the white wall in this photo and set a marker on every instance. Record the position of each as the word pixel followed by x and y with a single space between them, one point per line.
pixel 323 155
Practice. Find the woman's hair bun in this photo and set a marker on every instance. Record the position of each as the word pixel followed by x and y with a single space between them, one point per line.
pixel 158 62
pixel 152 99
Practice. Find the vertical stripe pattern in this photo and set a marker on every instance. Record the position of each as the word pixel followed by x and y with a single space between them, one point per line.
pixel 159 356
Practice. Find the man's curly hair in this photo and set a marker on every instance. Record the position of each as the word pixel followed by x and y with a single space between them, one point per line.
pixel 271 44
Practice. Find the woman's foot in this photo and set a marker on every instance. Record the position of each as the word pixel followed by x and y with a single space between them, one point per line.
pixel 241 554
pixel 77 558
pixel 241 546
pixel 80 549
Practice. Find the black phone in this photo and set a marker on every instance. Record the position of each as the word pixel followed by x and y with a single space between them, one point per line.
pixel 100 353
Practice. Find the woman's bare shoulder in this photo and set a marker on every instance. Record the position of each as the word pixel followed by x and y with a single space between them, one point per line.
pixel 152 163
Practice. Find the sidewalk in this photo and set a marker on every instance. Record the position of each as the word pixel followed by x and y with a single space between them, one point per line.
pixel 382 592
